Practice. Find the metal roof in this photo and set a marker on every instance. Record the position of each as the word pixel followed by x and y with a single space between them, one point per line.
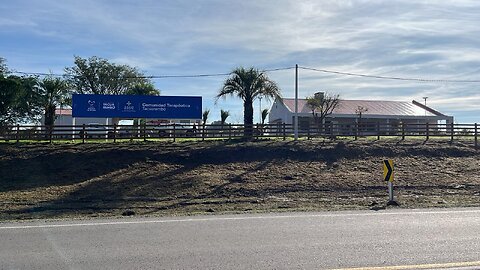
pixel 375 107
pixel 63 112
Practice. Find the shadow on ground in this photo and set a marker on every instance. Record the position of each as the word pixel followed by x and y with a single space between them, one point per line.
pixel 193 176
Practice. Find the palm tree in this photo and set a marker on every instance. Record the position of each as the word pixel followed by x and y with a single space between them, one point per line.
pixel 204 120
pixel 249 84
pixel 264 115
pixel 53 92
pixel 223 116
pixel 205 116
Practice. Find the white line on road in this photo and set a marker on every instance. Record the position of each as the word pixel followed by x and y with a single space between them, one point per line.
pixel 432 266
pixel 235 218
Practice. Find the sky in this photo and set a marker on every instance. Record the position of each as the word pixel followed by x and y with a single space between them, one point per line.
pixel 437 40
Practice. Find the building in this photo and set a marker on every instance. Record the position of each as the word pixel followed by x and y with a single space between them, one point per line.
pixel 375 113
pixel 63 117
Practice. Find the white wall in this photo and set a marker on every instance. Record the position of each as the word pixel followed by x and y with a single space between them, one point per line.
pixel 67 120
pixel 280 111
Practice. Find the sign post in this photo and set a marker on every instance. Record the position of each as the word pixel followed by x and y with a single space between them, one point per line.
pixel 388 176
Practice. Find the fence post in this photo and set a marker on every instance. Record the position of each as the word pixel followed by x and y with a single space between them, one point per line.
pixel 452 131
pixel 229 131
pixel 476 134
pixel 114 133
pixel 50 128
pixel 378 131
pixel 17 135
pixel 308 132
pixel 332 131
pixel 284 131
pixel 174 132
pixel 83 133
pixel 144 128
pixel 356 130
pixel 427 131
pixel 403 131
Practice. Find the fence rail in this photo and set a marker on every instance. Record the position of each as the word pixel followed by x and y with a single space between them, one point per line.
pixel 83 133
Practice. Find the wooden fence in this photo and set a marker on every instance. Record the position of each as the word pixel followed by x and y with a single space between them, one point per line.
pixel 83 133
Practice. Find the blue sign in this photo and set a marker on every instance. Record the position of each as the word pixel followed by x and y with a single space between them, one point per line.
pixel 133 106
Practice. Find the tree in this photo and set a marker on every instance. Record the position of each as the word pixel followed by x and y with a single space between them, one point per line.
pixel 204 119
pixel 264 115
pixel 98 76
pixel 145 88
pixel 249 84
pixel 53 92
pixel 223 116
pixel 142 88
pixel 359 111
pixel 322 104
pixel 205 116
pixel 3 66
pixel 19 100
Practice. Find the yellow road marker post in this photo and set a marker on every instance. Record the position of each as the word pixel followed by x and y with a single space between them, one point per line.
pixel 388 176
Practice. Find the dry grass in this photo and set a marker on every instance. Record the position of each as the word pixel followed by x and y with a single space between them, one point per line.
pixel 57 181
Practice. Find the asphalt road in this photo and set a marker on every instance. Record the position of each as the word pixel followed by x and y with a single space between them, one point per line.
pixel 413 239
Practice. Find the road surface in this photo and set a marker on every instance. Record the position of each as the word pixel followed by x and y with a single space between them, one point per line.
pixel 392 239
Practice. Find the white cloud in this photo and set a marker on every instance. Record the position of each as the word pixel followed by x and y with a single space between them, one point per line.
pixel 421 39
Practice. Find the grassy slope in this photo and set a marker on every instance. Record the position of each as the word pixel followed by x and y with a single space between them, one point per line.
pixel 74 180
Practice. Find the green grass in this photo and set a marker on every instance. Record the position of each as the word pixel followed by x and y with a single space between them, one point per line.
pixel 288 138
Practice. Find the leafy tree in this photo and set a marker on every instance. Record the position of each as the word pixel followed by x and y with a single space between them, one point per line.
pixel 145 88
pixel 322 105
pixel 223 116
pixel 53 92
pixel 249 84
pixel 19 100
pixel 3 66
pixel 98 76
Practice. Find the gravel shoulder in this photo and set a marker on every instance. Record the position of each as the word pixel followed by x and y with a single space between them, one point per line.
pixel 53 181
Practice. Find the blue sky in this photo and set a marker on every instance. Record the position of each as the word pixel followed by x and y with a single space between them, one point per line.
pixel 419 39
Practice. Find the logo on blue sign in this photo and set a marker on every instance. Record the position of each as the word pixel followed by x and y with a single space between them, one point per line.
pixel 91 106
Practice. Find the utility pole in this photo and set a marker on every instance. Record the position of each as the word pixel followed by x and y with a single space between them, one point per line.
pixel 425 98
pixel 296 103
pixel 260 119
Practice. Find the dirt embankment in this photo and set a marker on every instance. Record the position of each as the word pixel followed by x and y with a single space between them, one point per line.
pixel 62 180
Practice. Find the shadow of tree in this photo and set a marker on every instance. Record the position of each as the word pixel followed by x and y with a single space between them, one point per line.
pixel 113 176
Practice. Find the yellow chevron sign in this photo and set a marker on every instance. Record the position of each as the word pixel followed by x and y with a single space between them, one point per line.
pixel 388 170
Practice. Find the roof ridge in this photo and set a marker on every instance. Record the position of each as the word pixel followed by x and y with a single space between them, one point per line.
pixel 368 100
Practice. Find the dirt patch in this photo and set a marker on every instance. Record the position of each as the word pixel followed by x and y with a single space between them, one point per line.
pixel 79 180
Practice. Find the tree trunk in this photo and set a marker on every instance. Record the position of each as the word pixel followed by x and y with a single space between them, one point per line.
pixel 248 118
pixel 50 115
pixel 321 125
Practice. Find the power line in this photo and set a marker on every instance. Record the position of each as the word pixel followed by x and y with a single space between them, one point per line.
pixel 389 77
pixel 277 69
pixel 150 76
pixel 267 70
pixel 184 76
pixel 36 73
